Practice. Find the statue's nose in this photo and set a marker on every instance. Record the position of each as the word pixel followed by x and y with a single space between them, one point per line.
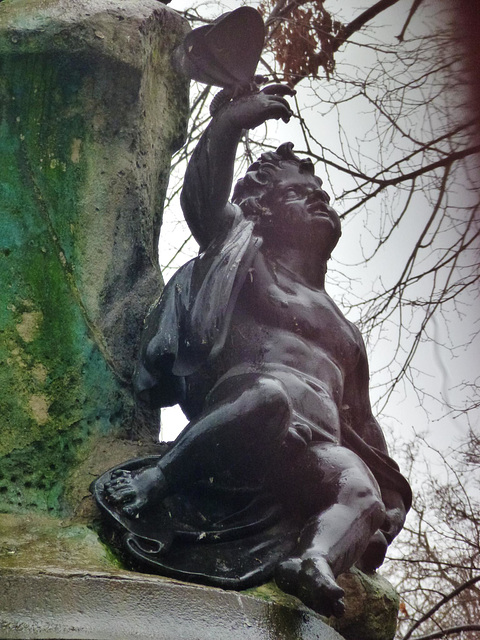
pixel 318 195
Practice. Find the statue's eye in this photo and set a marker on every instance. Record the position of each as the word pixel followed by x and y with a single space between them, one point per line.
pixel 262 177
pixel 291 193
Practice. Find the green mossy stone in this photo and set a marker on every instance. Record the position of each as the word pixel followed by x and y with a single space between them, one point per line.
pixel 46 543
pixel 371 607
pixel 90 113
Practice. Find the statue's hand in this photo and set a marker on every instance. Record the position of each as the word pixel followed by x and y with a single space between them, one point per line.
pixel 252 110
pixel 279 90
pixel 393 523
pixel 395 514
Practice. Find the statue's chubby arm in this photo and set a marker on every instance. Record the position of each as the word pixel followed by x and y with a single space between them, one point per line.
pixel 209 175
pixel 357 408
pixel 356 402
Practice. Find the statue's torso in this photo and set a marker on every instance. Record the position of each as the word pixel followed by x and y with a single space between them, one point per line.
pixel 291 331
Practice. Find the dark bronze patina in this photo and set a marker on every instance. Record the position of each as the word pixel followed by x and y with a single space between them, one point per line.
pixel 282 470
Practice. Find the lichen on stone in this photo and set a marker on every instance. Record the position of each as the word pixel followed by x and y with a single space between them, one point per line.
pixel 87 128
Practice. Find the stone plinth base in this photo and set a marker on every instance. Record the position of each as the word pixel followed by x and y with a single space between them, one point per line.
pixel 127 605
pixel 58 580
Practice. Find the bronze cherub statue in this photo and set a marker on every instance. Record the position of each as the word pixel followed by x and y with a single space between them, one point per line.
pixel 282 470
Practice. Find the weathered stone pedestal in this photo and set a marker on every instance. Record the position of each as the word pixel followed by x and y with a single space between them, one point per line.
pixel 113 607
pixel 59 581
pixel 91 112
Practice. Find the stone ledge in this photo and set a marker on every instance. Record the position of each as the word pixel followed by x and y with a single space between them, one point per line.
pixel 52 573
pixel 102 606
pixel 59 581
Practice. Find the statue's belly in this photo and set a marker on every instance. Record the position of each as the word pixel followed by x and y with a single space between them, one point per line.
pixel 313 382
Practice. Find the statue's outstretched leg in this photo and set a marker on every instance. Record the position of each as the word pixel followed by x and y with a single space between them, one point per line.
pixel 348 510
pixel 239 434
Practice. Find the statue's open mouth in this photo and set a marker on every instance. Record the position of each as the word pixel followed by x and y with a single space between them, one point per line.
pixel 318 209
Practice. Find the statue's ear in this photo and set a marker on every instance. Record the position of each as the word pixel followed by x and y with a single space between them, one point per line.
pixel 226 52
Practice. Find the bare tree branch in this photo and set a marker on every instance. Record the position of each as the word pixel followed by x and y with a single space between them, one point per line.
pixel 414 7
pixel 466 585
pixel 448 632
pixel 365 17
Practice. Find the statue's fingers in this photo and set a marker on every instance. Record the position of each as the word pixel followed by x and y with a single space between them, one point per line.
pixel 281 109
pixel 285 114
pixel 273 98
pixel 279 90
pixel 281 100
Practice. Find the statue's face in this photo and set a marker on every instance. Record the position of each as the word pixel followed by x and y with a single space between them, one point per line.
pixel 300 209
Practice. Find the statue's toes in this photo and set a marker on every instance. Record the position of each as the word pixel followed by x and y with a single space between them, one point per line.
pixel 111 488
pixel 117 483
pixel 328 600
pixel 338 608
pixel 311 581
pixel 133 509
pixel 120 473
pixel 120 495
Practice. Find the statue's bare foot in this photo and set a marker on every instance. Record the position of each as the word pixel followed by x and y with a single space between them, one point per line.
pixel 132 492
pixel 311 580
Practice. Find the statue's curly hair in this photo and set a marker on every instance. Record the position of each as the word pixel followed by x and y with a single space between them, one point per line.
pixel 250 190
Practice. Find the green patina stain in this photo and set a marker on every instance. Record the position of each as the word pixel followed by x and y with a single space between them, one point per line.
pixel 371 608
pixel 55 387
pixel 77 109
pixel 45 542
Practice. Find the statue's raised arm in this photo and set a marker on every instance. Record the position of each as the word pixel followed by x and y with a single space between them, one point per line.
pixel 209 175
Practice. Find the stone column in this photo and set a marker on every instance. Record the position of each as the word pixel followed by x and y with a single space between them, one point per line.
pixel 91 112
